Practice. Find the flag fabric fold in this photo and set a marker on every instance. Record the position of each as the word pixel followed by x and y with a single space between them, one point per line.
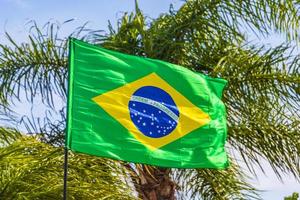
pixel 143 110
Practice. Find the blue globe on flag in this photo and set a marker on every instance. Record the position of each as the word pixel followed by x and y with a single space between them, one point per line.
pixel 153 111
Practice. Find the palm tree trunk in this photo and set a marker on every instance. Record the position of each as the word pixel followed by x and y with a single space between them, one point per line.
pixel 155 183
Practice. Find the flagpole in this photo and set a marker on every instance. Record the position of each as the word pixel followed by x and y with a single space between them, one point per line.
pixel 67 122
pixel 65 174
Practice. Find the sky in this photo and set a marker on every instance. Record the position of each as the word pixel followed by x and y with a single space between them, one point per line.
pixel 15 14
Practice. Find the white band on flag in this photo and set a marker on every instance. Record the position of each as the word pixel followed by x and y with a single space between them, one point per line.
pixel 155 104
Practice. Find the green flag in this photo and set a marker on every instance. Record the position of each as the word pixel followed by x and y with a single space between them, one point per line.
pixel 143 110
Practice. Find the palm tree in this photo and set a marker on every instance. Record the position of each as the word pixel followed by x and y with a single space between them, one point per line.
pixel 262 97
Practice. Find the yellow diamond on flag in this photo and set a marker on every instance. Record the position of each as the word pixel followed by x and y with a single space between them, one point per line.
pixel 154 112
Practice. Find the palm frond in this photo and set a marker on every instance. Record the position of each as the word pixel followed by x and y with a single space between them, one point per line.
pixel 36 67
pixel 215 184
pixel 263 17
pixel 262 105
pixel 33 170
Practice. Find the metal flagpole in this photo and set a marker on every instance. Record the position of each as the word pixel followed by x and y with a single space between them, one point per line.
pixel 66 148
pixel 65 174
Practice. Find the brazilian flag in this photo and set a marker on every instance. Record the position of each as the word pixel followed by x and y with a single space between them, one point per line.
pixel 143 110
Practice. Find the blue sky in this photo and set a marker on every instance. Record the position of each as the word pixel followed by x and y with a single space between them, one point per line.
pixel 14 14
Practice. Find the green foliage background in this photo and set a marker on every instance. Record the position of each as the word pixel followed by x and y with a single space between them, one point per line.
pixel 294 196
